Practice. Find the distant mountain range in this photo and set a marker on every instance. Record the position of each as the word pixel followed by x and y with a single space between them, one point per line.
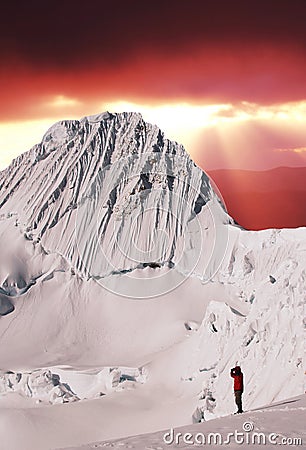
pixel 264 199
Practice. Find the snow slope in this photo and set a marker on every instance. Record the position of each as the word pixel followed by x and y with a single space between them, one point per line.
pixel 263 427
pixel 127 292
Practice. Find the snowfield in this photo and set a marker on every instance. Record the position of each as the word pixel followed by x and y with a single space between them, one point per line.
pixel 281 423
pixel 127 293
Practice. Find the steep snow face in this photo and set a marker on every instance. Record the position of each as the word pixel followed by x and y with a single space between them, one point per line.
pixel 268 269
pixel 111 194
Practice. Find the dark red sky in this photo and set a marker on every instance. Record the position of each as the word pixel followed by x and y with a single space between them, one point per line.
pixel 201 51
pixel 247 54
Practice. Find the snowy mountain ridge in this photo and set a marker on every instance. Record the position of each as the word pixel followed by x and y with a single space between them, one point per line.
pixel 116 166
pixel 117 252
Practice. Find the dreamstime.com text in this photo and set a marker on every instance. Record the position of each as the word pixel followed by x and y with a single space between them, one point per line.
pixel 247 437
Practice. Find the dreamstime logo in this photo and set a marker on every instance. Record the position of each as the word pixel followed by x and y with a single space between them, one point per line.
pixel 143 211
pixel 247 437
pixel 248 426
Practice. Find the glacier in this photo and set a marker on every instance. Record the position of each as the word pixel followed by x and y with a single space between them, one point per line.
pixel 118 257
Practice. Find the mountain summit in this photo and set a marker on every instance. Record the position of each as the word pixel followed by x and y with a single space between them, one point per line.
pixel 110 193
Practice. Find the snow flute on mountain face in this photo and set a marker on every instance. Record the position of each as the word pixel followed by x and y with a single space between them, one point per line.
pixel 238 386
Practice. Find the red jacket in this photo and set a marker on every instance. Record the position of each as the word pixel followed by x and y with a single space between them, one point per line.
pixel 238 378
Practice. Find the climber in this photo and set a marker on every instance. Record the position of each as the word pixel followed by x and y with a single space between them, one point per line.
pixel 238 387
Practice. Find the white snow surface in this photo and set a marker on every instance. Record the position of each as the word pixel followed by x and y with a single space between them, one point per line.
pixel 127 292
pixel 281 423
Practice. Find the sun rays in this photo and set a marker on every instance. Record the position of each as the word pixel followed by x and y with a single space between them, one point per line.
pixel 216 135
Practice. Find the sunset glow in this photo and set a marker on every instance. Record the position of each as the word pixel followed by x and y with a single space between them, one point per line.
pixel 233 127
pixel 226 80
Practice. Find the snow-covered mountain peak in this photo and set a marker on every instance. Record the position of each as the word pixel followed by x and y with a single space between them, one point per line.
pixel 110 194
